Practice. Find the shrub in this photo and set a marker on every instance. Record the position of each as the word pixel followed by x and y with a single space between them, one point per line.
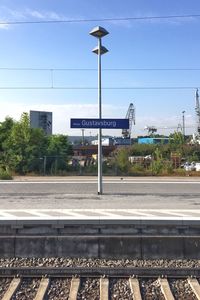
pixel 5 175
pixel 157 167
pixel 168 168
pixel 181 172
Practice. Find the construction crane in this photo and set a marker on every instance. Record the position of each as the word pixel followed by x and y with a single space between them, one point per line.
pixel 197 110
pixel 153 129
pixel 126 133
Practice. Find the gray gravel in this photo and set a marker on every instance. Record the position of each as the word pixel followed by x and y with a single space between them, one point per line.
pixel 27 289
pixel 59 289
pixel 150 290
pixel 120 289
pixel 4 284
pixel 182 290
pixel 83 262
pixel 89 289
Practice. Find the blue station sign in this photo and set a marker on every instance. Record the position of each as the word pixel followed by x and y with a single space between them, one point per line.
pixel 100 123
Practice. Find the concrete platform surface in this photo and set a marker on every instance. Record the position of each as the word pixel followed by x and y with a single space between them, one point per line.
pixel 143 218
pixel 74 198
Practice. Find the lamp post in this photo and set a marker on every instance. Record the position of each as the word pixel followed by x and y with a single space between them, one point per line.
pixel 183 117
pixel 99 32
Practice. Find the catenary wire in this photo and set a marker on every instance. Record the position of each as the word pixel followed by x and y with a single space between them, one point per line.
pixel 95 88
pixel 95 69
pixel 100 19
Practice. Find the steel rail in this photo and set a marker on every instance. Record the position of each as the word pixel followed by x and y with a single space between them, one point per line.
pixel 99 271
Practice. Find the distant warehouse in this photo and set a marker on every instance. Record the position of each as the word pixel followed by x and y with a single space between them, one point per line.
pixel 152 140
pixel 41 119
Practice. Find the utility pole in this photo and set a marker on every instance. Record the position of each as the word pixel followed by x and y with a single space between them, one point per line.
pixel 197 110
pixel 83 138
pixel 183 117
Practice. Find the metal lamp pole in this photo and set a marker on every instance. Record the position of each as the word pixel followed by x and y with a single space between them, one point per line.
pixel 100 185
pixel 99 32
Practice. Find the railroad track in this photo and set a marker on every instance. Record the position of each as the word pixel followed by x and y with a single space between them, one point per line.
pixel 102 283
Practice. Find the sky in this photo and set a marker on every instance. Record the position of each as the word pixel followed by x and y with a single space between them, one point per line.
pixel 132 44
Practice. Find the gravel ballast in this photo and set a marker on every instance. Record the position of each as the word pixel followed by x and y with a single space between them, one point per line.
pixel 83 262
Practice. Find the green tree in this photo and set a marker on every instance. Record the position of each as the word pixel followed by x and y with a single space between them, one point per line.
pixel 38 149
pixel 5 130
pixel 191 152
pixel 142 149
pixel 157 163
pixel 176 140
pixel 58 152
pixel 24 149
pixel 24 146
pixel 122 161
pixel 18 145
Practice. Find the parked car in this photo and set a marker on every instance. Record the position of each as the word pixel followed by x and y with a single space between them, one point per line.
pixel 197 166
pixel 189 166
pixel 193 166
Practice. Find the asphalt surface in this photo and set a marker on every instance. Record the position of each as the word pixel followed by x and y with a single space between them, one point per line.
pixel 81 192
pixel 113 186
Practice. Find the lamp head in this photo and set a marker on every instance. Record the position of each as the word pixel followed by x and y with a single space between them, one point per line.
pixel 103 50
pixel 99 32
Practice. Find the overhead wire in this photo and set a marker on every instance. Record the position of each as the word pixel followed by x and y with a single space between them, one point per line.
pixel 100 19
pixel 95 69
pixel 95 20
pixel 95 88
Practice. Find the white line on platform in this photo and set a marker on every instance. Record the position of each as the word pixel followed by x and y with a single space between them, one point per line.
pixel 37 213
pixel 5 215
pixel 179 214
pixel 137 212
pixel 95 182
pixel 72 213
pixel 100 214
pixel 108 213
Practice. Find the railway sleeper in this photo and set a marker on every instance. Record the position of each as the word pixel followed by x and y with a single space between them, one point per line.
pixel 165 289
pixel 14 285
pixel 194 284
pixel 104 288
pixel 44 283
pixel 75 284
pixel 135 288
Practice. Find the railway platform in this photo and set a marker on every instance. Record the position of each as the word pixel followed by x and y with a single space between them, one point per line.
pixel 161 224
pixel 100 233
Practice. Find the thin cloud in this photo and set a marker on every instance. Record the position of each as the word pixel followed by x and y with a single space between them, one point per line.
pixel 63 113
pixel 43 15
pixel 164 125
pixel 4 26
pixel 32 14
pixel 7 14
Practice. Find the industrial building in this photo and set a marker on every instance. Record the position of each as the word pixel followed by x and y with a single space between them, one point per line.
pixel 153 140
pixel 41 119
